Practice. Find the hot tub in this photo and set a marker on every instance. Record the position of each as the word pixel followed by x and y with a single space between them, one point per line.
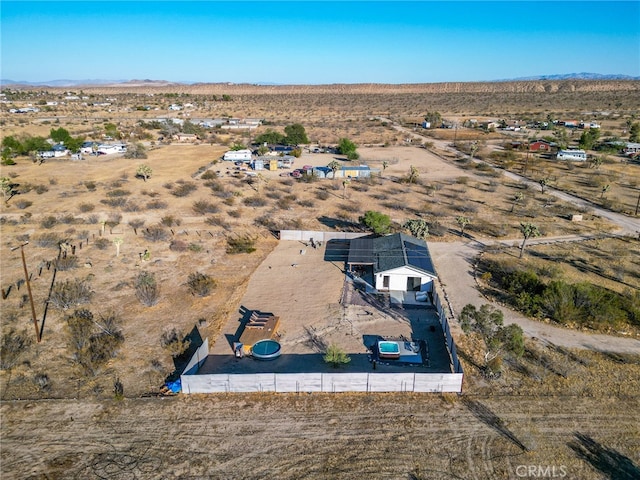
pixel 266 350
pixel 388 350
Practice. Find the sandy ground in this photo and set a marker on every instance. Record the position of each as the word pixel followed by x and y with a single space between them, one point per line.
pixel 297 283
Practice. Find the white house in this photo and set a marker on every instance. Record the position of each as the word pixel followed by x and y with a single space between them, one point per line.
pixel 87 147
pixel 393 262
pixel 108 149
pixel 577 155
pixel 238 156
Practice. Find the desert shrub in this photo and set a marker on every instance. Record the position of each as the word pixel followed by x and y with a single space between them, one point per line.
pixel 70 293
pixel 114 202
pixel 156 205
pixel 174 342
pixel 136 223
pixel 255 201
pixel 202 207
pixel 229 201
pixel 195 247
pixel 156 233
pixel 322 194
pixel 241 244
pixel 66 263
pixel 284 203
pixel 93 343
pixel 200 284
pixel 92 219
pixel 235 213
pixel 147 289
pixel 42 381
pixel 218 221
pixel 22 204
pixel 307 203
pixel 90 185
pixel 208 175
pixel 101 243
pixel 47 240
pixel 86 207
pixel 214 185
pixel 118 192
pixel 273 194
pixel 178 246
pixel 12 346
pixel 67 219
pixel 184 189
pixel 437 229
pixel 49 222
pixel 170 221
pixel 131 207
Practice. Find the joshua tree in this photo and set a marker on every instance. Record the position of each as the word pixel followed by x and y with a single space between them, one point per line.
pixel 605 189
pixel 334 166
pixel 413 174
pixel 385 165
pixel 144 171
pixel 595 162
pixel 528 230
pixel 462 222
pixel 117 242
pixel 7 188
pixel 345 184
pixel 517 198
pixel 543 183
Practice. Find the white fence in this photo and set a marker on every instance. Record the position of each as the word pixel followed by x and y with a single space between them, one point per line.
pixel 326 382
pixel 323 382
pixel 318 236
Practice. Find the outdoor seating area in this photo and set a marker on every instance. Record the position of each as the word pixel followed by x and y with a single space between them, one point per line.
pixel 260 326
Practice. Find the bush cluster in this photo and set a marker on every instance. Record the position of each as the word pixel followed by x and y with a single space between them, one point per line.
pixel 200 284
pixel 580 304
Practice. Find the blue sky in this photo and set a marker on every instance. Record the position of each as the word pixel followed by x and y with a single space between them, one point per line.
pixel 297 42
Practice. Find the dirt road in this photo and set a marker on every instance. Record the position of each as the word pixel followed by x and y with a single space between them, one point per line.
pixel 454 263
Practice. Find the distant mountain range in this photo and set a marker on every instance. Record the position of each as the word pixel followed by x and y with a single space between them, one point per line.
pixel 77 83
pixel 576 76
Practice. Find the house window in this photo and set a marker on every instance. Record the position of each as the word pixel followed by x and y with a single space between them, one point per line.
pixel 385 281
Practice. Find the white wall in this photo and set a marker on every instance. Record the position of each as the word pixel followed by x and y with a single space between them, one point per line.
pixel 323 382
pixel 398 279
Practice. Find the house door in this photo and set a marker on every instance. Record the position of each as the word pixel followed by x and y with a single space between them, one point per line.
pixel 413 284
pixel 385 281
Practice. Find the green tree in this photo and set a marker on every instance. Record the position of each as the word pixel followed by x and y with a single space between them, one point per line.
pixel 488 323
pixel 137 150
pixel 634 132
pixel 270 137
pixel 348 148
pixel 14 145
pixel 378 222
pixel 434 118
pixel 144 171
pixel 263 150
pixel 335 356
pixel 295 134
pixel 334 165
pixel 111 130
pixel 589 138
pixel 34 144
pixel 59 135
pixel 528 230
pixel 417 227
pixel 237 146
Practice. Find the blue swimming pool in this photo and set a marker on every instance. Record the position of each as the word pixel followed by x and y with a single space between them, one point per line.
pixel 388 349
pixel 266 350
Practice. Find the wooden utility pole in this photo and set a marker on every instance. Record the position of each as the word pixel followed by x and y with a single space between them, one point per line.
pixel 26 278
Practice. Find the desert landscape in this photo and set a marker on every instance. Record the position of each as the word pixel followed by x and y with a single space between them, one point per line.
pixel 148 259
